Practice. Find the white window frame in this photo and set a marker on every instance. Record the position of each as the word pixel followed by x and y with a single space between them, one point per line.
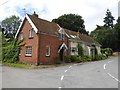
pixel 21 36
pixel 48 52
pixel 62 36
pixel 28 51
pixel 31 33
pixel 74 50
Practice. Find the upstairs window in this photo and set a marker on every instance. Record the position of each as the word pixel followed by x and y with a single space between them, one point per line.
pixel 61 34
pixel 21 36
pixel 47 50
pixel 28 51
pixel 31 34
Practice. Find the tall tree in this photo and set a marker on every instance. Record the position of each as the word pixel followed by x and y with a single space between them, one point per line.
pixel 71 22
pixel 117 35
pixel 10 26
pixel 108 20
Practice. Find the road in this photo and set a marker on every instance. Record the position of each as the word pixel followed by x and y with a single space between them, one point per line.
pixel 98 74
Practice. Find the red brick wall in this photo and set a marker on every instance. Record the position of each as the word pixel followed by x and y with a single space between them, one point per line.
pixel 54 43
pixel 45 40
pixel 29 42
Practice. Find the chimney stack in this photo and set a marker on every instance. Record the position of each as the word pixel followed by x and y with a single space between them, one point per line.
pixel 34 14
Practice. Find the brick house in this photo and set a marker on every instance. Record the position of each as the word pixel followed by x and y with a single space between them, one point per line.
pixel 44 40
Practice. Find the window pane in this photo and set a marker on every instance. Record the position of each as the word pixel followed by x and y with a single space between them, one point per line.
pixel 28 51
pixel 31 33
pixel 47 51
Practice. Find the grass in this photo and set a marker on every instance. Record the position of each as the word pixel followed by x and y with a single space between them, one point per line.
pixel 17 65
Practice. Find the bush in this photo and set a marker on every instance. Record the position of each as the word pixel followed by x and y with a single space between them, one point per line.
pixel 104 56
pixel 107 51
pixel 11 51
pixel 67 59
pixel 78 59
pixel 85 58
pixel 73 58
pixel 98 57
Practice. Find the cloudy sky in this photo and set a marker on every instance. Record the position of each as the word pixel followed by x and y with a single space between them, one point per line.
pixel 92 11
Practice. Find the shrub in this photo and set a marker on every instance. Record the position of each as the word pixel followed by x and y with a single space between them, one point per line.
pixel 78 59
pixel 73 58
pixel 85 58
pixel 107 51
pixel 104 56
pixel 98 57
pixel 67 59
pixel 80 50
pixel 11 50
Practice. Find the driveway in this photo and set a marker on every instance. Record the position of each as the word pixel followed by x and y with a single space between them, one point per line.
pixel 98 74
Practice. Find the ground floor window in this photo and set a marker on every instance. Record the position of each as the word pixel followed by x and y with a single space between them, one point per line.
pixel 28 51
pixel 47 50
pixel 74 50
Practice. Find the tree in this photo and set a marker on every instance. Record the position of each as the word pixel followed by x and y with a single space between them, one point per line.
pixel 108 20
pixel 71 22
pixel 11 50
pixel 117 34
pixel 10 26
pixel 108 34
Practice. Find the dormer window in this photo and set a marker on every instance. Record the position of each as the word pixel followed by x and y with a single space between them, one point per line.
pixel 61 34
pixel 31 34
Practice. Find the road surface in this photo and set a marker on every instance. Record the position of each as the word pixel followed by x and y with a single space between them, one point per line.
pixel 98 74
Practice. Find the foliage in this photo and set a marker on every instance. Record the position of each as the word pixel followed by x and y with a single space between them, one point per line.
pixel 71 22
pixel 108 34
pixel 107 51
pixel 108 20
pixel 10 25
pixel 73 58
pixel 117 34
pixel 67 59
pixel 11 50
pixel 80 50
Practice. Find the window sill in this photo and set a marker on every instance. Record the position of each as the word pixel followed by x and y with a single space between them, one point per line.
pixel 30 37
pixel 28 55
pixel 47 55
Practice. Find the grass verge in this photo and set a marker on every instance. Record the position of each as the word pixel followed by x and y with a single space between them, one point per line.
pixel 17 65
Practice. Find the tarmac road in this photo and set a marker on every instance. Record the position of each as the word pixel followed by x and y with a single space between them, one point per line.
pixel 98 74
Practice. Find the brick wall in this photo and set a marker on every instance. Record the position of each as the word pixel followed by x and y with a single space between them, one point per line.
pixel 54 43
pixel 44 40
pixel 29 42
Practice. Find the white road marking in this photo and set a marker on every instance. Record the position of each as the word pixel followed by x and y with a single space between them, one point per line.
pixel 70 66
pixel 62 77
pixel 75 64
pixel 66 70
pixel 113 77
pixel 59 87
pixel 104 66
pixel 110 61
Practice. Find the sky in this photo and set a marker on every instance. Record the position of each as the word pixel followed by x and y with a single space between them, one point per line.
pixel 92 11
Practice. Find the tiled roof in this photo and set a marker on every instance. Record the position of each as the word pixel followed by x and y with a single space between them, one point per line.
pixel 44 25
pixel 88 39
pixel 52 28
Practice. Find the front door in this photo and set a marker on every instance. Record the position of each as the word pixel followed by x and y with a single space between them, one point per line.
pixel 61 55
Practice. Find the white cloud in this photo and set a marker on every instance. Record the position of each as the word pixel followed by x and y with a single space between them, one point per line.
pixel 92 11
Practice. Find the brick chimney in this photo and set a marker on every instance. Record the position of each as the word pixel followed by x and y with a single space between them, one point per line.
pixel 34 14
